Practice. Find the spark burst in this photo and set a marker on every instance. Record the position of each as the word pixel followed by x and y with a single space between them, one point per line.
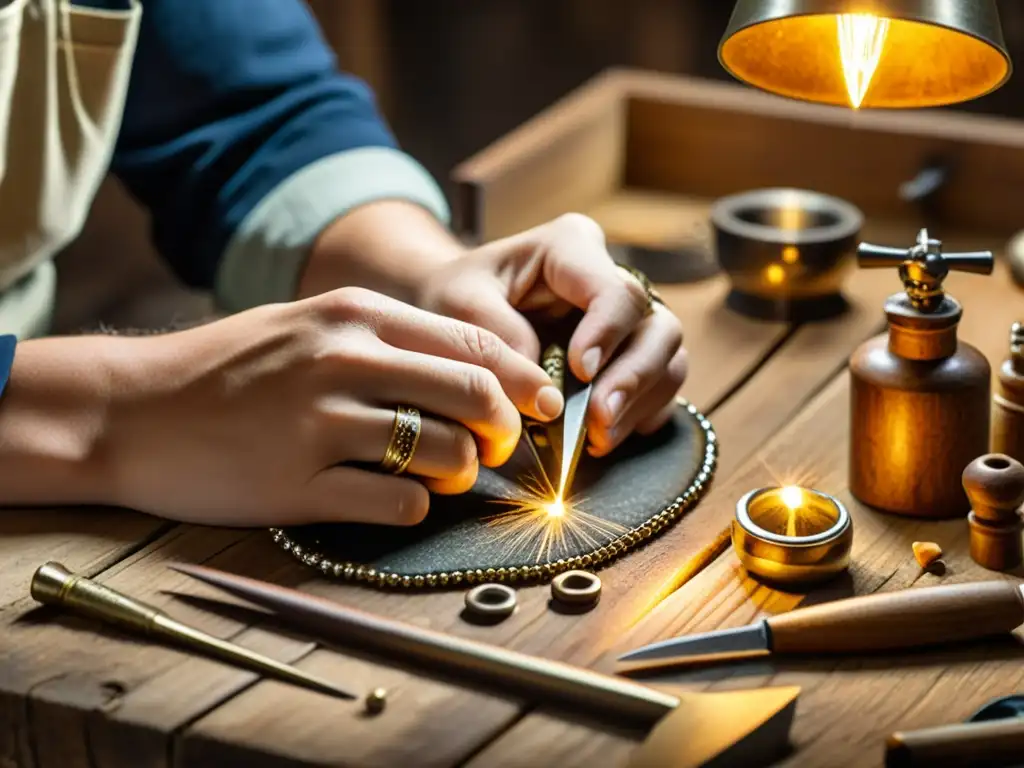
pixel 540 523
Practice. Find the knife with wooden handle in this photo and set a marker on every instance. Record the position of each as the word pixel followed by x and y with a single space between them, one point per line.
pixel 910 618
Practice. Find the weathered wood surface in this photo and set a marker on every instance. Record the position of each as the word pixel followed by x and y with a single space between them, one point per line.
pixel 849 705
pixel 86 540
pixel 147 693
pixel 56 675
pixel 102 692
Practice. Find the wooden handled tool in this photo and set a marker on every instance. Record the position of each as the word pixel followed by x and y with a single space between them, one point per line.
pixel 962 745
pixel 907 619
pixel 687 728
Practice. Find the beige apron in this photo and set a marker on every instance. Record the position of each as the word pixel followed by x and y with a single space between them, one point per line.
pixel 64 74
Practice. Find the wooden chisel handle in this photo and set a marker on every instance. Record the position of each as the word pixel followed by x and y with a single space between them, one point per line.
pixel 905 619
pixel 963 745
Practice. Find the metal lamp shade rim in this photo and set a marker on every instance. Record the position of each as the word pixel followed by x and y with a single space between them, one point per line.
pixel 987 30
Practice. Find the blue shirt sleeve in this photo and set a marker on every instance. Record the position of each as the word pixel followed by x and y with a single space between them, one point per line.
pixel 227 100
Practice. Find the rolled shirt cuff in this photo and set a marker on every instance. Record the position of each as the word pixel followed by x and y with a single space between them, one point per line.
pixel 264 258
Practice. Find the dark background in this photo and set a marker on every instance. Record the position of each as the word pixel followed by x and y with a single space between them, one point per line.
pixel 452 76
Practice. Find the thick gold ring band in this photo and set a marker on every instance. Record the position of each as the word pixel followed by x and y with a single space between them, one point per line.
pixel 653 297
pixel 405 435
pixel 820 549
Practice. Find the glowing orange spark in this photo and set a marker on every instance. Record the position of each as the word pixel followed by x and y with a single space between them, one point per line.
pixel 861 39
pixel 549 527
pixel 555 508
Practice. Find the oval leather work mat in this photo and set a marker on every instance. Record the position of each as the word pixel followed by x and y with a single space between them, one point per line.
pixel 618 502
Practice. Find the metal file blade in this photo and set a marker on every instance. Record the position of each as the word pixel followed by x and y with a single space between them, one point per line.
pixel 572 438
pixel 753 638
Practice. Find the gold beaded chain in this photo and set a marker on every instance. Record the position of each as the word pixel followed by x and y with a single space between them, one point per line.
pixel 361 573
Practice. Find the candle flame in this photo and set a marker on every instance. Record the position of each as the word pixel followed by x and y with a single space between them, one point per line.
pixel 792 496
pixel 861 38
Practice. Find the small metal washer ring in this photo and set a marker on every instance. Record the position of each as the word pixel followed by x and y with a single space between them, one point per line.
pixel 576 588
pixel 491 600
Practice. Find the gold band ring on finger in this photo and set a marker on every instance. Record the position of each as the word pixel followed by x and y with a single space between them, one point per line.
pixel 405 435
pixel 653 297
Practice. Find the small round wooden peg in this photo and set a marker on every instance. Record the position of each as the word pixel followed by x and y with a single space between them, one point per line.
pixel 994 484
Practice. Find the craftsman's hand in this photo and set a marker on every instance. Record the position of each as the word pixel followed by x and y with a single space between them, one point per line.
pixel 562 264
pixel 257 419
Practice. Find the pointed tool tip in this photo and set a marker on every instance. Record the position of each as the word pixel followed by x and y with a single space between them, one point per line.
pixel 188 568
pixel 630 656
pixel 201 572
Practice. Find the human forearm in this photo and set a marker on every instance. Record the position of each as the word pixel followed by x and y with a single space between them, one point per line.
pixel 388 246
pixel 52 417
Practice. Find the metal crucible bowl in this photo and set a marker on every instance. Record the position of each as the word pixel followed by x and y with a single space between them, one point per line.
pixel 786 252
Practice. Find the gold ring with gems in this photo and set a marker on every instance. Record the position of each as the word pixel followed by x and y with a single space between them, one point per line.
pixel 405 434
pixel 653 297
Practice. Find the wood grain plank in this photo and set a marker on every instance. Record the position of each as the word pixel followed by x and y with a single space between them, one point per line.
pixel 690 135
pixel 87 540
pixel 569 156
pixel 59 673
pixel 535 628
pixel 159 697
pixel 112 691
pixel 146 693
pixel 159 691
pixel 848 705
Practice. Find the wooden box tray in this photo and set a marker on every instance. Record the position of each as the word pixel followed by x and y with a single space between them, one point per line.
pixel 646 154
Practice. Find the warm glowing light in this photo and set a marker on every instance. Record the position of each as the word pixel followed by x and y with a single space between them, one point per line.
pixel 791 254
pixel 792 496
pixel 791 218
pixel 549 527
pixel 556 508
pixel 774 274
pixel 861 39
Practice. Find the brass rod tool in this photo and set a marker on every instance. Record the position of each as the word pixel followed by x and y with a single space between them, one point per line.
pixel 688 728
pixel 910 618
pixel 53 584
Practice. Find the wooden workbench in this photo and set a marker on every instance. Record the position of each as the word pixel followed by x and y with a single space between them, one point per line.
pixel 74 694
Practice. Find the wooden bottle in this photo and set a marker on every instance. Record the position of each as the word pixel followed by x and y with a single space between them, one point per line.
pixel 919 408
pixel 1008 400
pixel 995 486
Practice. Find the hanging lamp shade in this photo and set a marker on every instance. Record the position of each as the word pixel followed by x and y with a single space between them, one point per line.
pixel 868 53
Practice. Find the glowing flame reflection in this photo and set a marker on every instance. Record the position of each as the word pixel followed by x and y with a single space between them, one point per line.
pixel 861 39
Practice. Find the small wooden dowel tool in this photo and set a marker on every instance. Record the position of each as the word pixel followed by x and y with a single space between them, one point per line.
pixel 987 744
pixel 53 584
pixel 742 728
